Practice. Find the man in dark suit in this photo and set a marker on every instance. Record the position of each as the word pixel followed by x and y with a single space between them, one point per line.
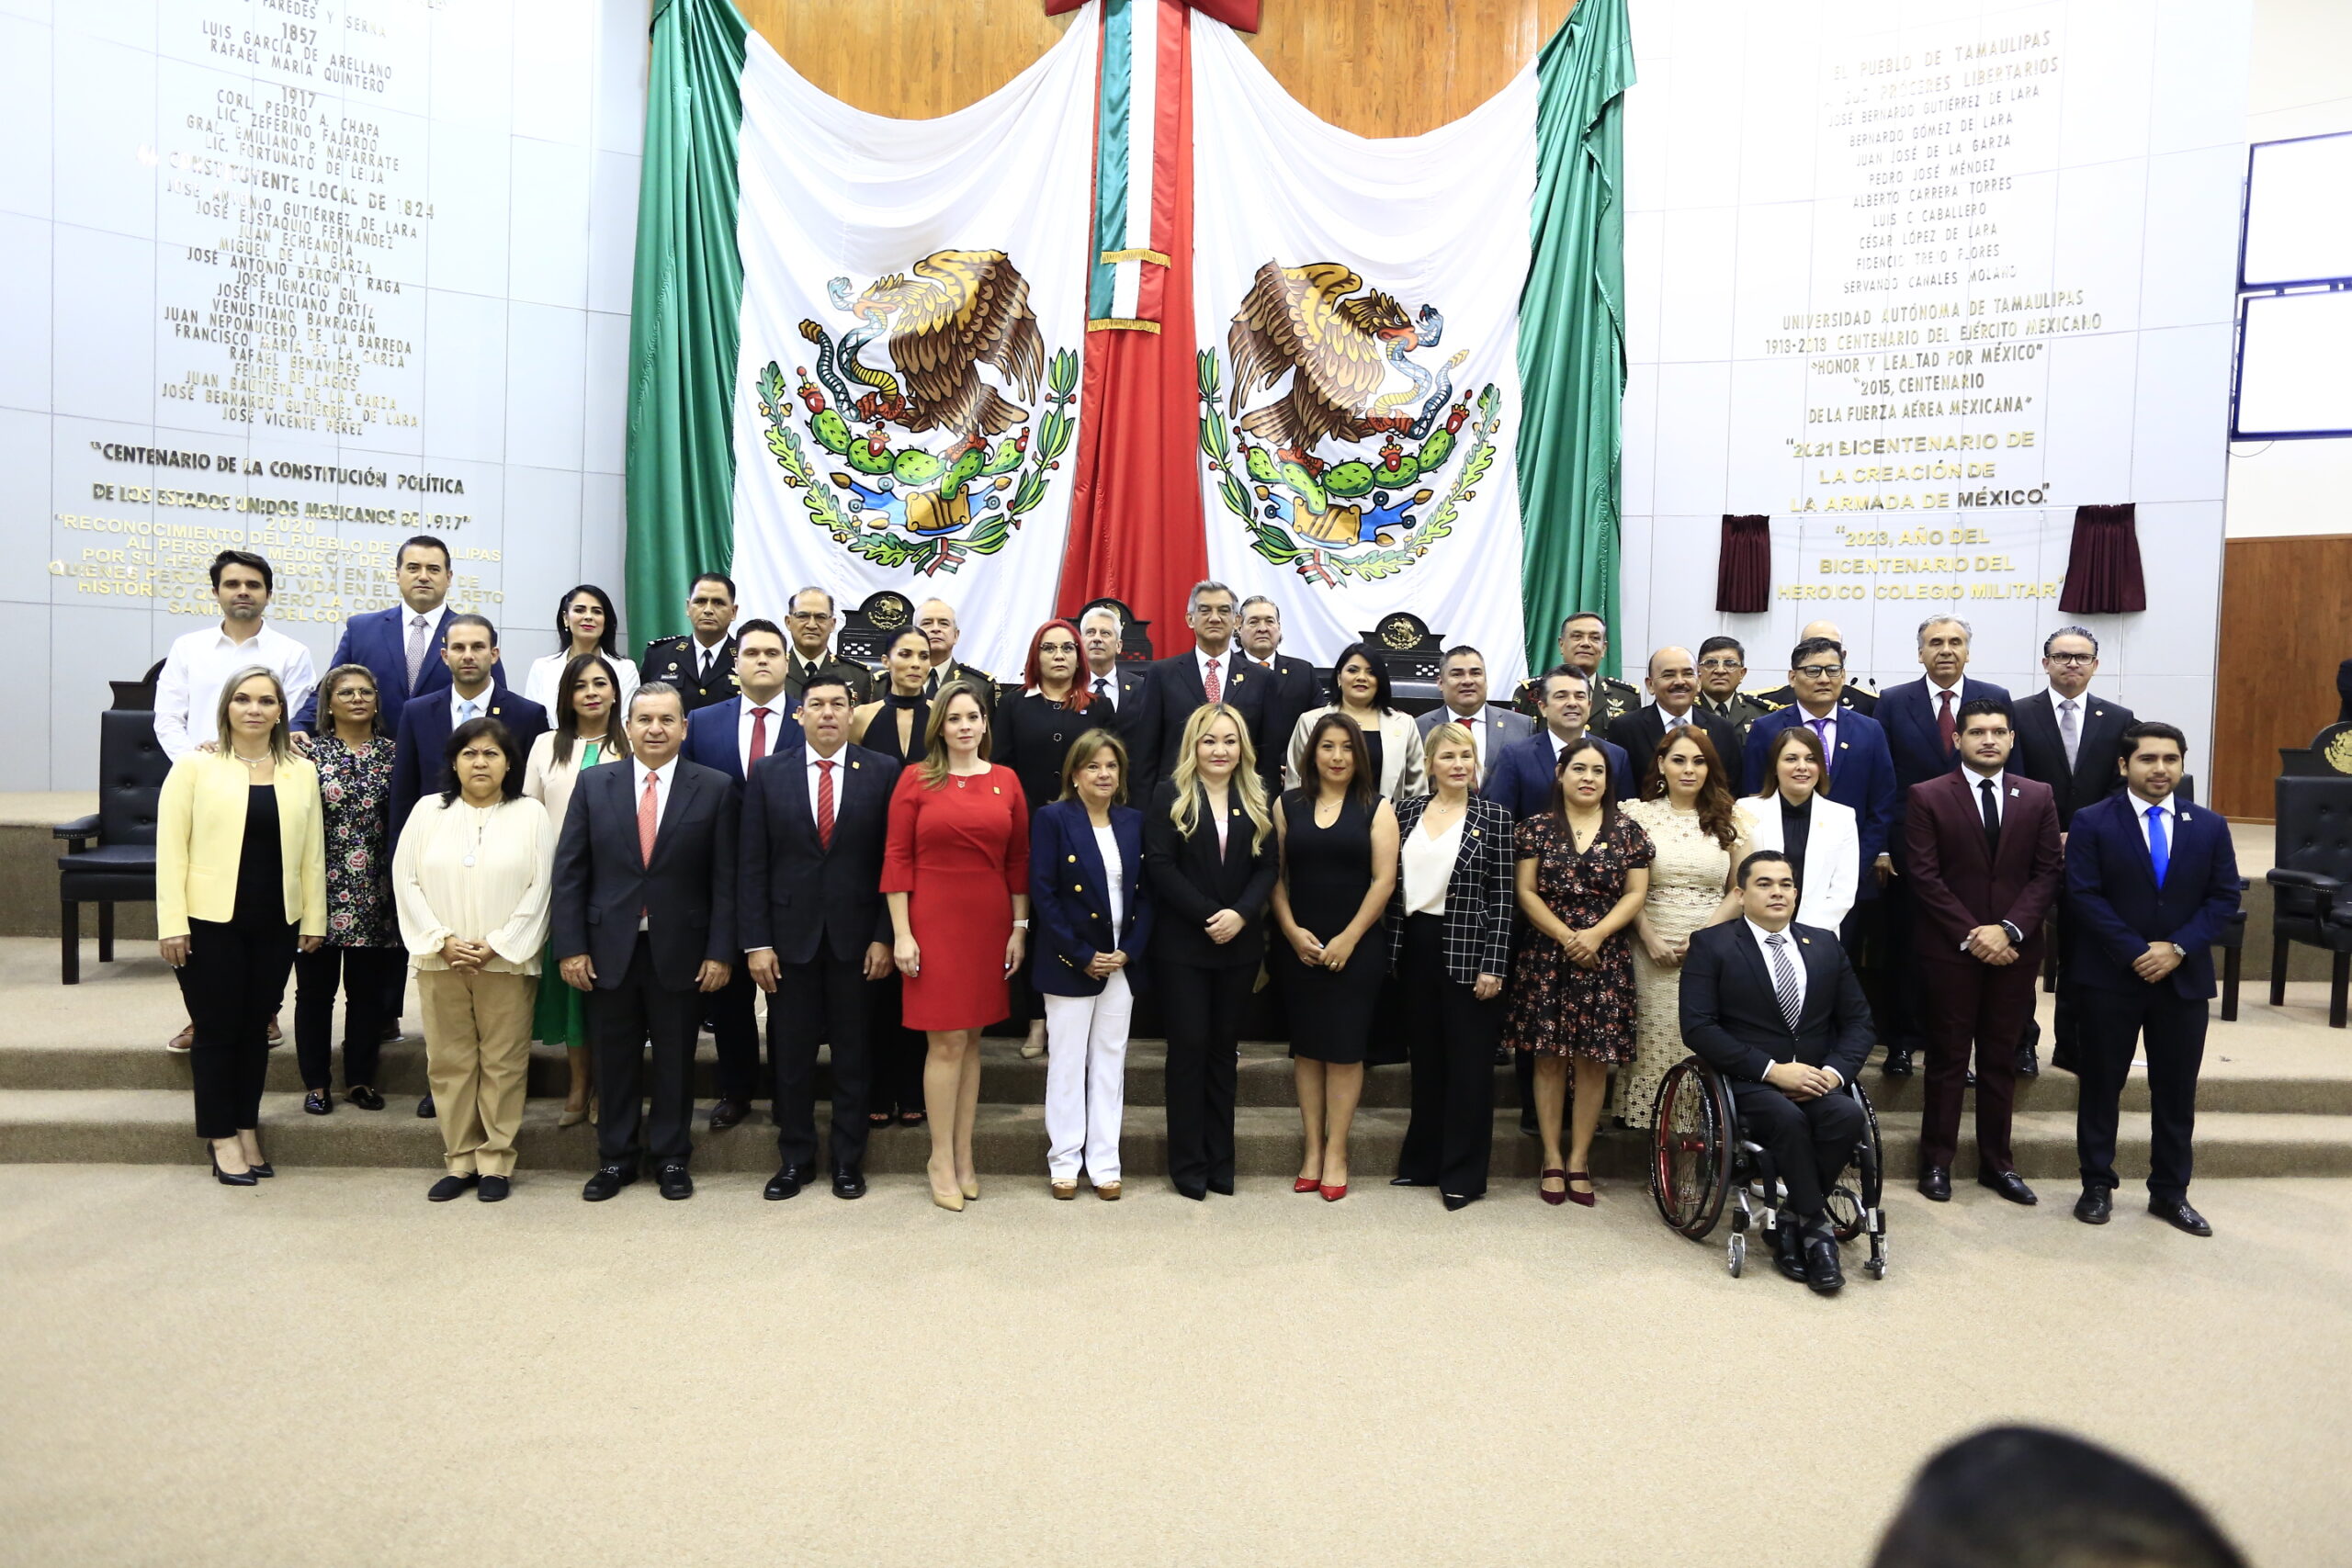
pixel 2150 881
pixel 1862 773
pixel 732 736
pixel 1673 685
pixel 1922 722
pixel 1525 770
pixel 2066 739
pixel 1462 693
pixel 470 659
pixel 643 895
pixel 1213 669
pixel 401 646
pixel 1124 684
pixel 1775 1007
pixel 700 663
pixel 815 929
pixel 1982 846
pixel 1295 691
pixel 935 618
pixel 1849 695
pixel 812 621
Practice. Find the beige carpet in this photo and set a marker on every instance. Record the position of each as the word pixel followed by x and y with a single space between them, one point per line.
pixel 327 1370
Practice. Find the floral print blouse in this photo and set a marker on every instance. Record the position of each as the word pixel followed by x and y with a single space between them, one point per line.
pixel 356 791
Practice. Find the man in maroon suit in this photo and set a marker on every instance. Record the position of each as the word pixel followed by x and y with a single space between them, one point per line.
pixel 1984 868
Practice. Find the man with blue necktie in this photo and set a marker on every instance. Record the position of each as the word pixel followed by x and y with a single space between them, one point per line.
pixel 2151 880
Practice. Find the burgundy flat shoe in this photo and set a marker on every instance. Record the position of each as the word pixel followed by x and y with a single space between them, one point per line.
pixel 1555 1199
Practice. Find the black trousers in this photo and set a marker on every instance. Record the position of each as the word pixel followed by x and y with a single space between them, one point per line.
pixel 234 979
pixel 736 1028
pixel 360 974
pixel 2173 1028
pixel 826 998
pixel 2065 1024
pixel 1897 1001
pixel 1809 1140
pixel 895 1053
pixel 620 1021
pixel 1201 1010
pixel 1452 1036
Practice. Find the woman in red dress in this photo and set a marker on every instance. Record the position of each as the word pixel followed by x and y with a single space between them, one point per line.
pixel 956 876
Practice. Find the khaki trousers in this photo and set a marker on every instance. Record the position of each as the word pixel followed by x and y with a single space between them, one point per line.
pixel 478 1059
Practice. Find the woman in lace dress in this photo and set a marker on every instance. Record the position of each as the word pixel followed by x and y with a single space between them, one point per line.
pixel 1692 824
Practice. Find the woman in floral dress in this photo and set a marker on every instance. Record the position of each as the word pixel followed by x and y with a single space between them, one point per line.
pixel 362 955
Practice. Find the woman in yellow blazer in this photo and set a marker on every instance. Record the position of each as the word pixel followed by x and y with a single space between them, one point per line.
pixel 240 885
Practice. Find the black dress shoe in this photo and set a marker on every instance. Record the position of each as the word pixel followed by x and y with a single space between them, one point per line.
pixel 2062 1058
pixel 2175 1212
pixel 450 1187
pixel 1823 1276
pixel 1195 1193
pixel 1502 1056
pixel 727 1112
pixel 1788 1250
pixel 318 1102
pixel 785 1183
pixel 1223 1189
pixel 2095 1206
pixel 1528 1129
pixel 2029 1064
pixel 1934 1183
pixel 674 1182
pixel 1409 1181
pixel 1897 1064
pixel 2010 1185
pixel 608 1179
pixel 1456 1202
pixel 493 1189
pixel 849 1184
pixel 424 1108
pixel 364 1097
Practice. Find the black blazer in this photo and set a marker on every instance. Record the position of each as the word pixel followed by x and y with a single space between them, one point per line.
pixel 1190 882
pixel 602 882
pixel 799 894
pixel 1295 691
pixel 1137 723
pixel 425 733
pixel 1636 734
pixel 1731 1016
pixel 1481 896
pixel 1177 695
pixel 2041 753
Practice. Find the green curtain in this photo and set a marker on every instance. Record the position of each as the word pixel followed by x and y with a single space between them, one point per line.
pixel 1571 329
pixel 682 328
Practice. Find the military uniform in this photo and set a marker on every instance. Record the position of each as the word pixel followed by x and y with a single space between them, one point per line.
pixel 678 661
pixel 1854 697
pixel 957 670
pixel 1611 699
pixel 799 672
pixel 1741 710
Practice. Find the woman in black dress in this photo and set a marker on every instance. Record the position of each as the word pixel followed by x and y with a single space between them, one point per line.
pixel 1339 858
pixel 1034 729
pixel 893 725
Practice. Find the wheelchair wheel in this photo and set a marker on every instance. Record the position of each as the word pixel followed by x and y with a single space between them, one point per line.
pixel 1851 1208
pixel 1690 1149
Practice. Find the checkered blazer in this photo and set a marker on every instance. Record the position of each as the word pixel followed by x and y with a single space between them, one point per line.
pixel 1481 898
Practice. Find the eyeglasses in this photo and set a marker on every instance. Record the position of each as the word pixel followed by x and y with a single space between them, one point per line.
pixel 1820 672
pixel 1721 664
pixel 810 617
pixel 2071 658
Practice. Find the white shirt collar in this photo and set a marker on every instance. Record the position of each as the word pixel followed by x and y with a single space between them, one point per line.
pixel 664 773
pixel 1762 936
pixel 839 759
pixel 1223 661
pixel 2169 806
pixel 481 700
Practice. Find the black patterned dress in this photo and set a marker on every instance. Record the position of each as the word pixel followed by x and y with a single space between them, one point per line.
pixel 355 800
pixel 1556 1009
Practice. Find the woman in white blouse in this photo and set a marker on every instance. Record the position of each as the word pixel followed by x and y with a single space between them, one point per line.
pixel 1359 689
pixel 586 715
pixel 585 624
pixel 1820 836
pixel 470 878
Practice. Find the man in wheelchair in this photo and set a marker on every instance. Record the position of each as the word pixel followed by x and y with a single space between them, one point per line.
pixel 1776 1008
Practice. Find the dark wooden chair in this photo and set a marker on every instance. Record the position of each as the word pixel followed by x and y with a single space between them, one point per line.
pixel 2312 883
pixel 110 854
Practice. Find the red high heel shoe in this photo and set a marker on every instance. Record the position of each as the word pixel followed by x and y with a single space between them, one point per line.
pixel 1306 1184
pixel 1332 1194
pixel 1585 1200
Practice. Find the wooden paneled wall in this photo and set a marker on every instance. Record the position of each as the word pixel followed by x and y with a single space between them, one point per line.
pixel 2286 624
pixel 1375 67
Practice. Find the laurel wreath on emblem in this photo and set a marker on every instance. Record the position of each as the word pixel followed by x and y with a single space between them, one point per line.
pixel 1348 518
pixel 895 503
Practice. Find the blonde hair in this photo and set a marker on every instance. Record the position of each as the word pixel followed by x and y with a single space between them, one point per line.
pixel 934 744
pixel 279 745
pixel 1186 776
pixel 1082 753
pixel 1448 734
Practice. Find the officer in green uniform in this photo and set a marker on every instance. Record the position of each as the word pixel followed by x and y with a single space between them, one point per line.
pixel 1722 665
pixel 700 663
pixel 1851 696
pixel 1584 642
pixel 811 622
pixel 935 618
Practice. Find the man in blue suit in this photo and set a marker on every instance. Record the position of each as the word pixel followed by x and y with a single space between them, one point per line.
pixel 1922 722
pixel 402 645
pixel 472 689
pixel 732 735
pixel 1861 772
pixel 2151 880
pixel 1523 772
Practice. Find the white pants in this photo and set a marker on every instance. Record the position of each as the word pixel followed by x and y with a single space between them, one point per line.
pixel 1086 1079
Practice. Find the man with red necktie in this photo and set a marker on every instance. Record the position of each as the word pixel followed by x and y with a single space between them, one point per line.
pixel 1214 670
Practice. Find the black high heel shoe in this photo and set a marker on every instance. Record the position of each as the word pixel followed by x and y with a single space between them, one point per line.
pixel 318 1102
pixel 246 1179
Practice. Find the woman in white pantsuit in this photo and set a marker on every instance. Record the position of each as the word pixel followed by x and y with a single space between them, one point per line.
pixel 1820 836
pixel 1092 918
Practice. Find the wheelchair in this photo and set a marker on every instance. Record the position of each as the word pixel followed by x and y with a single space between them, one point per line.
pixel 1701 1162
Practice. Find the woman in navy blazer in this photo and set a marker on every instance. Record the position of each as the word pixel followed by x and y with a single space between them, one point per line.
pixel 1092 918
